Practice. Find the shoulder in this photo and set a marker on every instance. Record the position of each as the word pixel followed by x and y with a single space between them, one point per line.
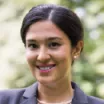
pixel 17 96
pixel 7 96
pixel 80 97
pixel 95 100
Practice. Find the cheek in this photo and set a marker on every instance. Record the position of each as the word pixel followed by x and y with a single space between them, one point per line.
pixel 63 54
pixel 31 57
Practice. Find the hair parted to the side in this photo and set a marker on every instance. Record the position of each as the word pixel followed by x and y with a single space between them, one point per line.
pixel 62 17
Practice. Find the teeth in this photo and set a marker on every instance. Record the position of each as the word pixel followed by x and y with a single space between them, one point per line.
pixel 45 68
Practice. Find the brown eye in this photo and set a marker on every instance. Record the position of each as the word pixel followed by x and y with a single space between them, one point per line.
pixel 32 46
pixel 54 45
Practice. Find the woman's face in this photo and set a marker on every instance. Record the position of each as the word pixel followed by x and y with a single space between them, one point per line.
pixel 48 52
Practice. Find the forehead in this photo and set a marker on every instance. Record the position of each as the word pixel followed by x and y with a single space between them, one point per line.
pixel 44 29
pixel 44 26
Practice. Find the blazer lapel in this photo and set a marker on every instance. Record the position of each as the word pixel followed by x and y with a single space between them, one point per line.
pixel 79 96
pixel 30 95
pixel 31 100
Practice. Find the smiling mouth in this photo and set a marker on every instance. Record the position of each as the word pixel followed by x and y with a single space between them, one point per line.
pixel 46 68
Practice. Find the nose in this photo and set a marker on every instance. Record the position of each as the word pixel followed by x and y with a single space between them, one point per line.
pixel 43 55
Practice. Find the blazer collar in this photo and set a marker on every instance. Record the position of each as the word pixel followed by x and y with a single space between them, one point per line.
pixel 79 95
pixel 31 90
pixel 30 95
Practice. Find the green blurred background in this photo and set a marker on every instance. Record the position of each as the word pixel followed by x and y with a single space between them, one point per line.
pixel 88 71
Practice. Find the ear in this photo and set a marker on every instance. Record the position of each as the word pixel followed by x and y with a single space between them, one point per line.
pixel 77 50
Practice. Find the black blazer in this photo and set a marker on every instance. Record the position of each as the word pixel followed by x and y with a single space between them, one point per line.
pixel 29 96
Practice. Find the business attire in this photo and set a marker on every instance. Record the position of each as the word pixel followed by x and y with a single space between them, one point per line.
pixel 29 96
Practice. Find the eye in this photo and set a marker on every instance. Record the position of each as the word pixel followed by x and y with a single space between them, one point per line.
pixel 32 46
pixel 54 45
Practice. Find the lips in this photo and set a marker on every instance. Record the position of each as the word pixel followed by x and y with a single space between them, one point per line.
pixel 45 67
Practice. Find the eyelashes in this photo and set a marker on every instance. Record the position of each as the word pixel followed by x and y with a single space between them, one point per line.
pixel 32 46
pixel 52 45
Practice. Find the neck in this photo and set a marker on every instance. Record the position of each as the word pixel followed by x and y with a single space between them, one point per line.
pixel 58 92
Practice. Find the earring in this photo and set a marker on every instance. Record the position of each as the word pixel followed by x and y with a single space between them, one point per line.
pixel 75 57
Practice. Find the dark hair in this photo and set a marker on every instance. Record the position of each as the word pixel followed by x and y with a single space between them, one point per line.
pixel 61 16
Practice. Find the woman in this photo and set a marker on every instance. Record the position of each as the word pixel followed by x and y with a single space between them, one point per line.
pixel 53 37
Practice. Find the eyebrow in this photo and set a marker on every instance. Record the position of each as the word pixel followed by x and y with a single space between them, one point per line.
pixel 54 38
pixel 50 38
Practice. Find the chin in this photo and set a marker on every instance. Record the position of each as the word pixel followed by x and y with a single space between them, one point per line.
pixel 46 81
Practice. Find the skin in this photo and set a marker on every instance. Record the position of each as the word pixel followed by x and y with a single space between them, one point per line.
pixel 47 44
